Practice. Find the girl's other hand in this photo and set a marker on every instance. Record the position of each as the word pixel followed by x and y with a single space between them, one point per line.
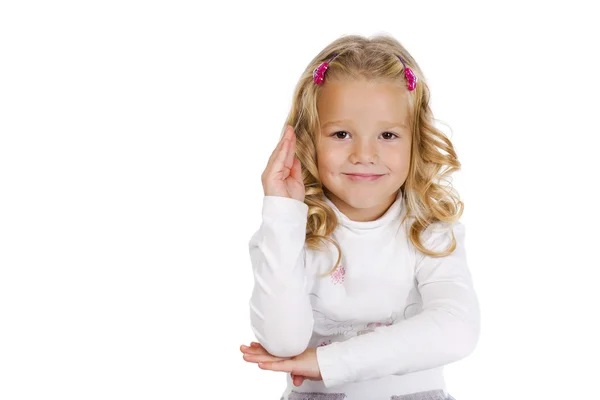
pixel 301 367
pixel 282 175
pixel 297 379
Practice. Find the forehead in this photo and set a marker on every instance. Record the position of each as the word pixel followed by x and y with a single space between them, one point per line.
pixel 362 100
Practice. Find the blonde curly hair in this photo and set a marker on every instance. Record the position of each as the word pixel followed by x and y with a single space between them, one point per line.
pixel 433 158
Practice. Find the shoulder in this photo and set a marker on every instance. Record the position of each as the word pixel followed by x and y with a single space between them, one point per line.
pixel 438 236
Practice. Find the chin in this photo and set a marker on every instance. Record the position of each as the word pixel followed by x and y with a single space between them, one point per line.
pixel 360 199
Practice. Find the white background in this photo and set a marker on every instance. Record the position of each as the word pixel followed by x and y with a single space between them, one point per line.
pixel 133 137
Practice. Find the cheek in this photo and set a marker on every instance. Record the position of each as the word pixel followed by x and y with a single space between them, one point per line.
pixel 403 162
pixel 329 160
pixel 399 160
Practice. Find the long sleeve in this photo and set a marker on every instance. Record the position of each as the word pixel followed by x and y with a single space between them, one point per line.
pixel 446 330
pixel 280 310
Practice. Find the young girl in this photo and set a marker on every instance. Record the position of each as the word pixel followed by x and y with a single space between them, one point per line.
pixel 362 289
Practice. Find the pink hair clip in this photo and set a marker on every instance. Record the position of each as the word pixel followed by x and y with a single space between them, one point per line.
pixel 410 76
pixel 319 72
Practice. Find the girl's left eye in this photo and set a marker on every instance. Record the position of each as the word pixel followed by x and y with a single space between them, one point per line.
pixel 386 135
pixel 336 134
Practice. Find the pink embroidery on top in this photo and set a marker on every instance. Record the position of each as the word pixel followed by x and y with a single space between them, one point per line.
pixel 338 275
pixel 371 327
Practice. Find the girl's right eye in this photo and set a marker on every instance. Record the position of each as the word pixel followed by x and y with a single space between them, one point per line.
pixel 337 134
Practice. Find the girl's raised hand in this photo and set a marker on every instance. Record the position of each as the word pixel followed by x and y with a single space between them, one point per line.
pixel 283 175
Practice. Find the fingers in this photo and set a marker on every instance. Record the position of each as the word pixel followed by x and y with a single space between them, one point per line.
pixel 253 350
pixel 259 354
pixel 282 159
pixel 276 155
pixel 283 366
pixel 260 358
pixel 256 353
pixel 296 171
pixel 278 149
pixel 291 149
pixel 297 380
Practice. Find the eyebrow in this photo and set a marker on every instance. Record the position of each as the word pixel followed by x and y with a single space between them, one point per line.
pixel 386 123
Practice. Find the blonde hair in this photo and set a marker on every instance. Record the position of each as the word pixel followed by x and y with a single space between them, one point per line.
pixel 433 158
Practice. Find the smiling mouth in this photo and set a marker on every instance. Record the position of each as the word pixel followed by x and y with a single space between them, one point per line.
pixel 363 177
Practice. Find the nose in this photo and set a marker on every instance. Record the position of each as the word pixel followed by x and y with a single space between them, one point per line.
pixel 364 152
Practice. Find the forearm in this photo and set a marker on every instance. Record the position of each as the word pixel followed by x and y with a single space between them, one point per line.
pixel 435 337
pixel 280 309
pixel 282 318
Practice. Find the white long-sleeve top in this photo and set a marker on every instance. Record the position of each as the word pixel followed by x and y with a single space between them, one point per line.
pixel 384 324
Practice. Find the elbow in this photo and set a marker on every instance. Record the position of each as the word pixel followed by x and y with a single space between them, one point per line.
pixel 284 342
pixel 466 337
pixel 458 343
pixel 286 348
pixel 281 335
pixel 460 327
pixel 467 343
pixel 465 329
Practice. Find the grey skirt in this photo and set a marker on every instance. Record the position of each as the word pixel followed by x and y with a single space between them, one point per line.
pixel 428 395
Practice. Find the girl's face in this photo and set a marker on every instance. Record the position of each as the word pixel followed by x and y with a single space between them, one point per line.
pixel 364 130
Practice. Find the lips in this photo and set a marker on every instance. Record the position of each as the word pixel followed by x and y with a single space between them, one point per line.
pixel 363 177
